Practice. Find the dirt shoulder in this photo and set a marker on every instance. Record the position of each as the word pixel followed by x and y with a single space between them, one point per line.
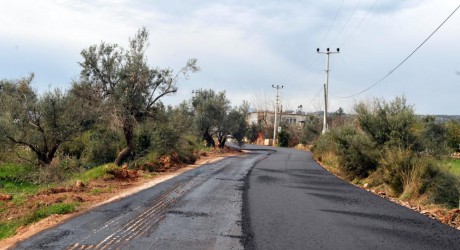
pixel 94 194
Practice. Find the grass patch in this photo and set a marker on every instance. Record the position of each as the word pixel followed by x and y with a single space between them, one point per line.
pixel 19 187
pixel 58 208
pixel 96 191
pixel 454 165
pixel 12 171
pixel 8 228
pixel 14 181
pixel 95 173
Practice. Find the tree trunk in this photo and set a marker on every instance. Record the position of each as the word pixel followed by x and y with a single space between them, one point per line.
pixel 222 141
pixel 128 131
pixel 44 158
pixel 208 138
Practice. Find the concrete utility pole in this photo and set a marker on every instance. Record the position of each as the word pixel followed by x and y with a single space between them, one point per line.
pixel 277 87
pixel 326 86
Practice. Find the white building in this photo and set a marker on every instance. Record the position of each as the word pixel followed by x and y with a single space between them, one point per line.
pixel 268 117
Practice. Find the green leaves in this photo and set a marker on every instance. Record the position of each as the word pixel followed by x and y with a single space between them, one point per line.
pixel 215 117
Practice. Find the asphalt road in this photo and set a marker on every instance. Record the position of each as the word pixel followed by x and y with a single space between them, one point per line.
pixel 293 203
pixel 200 209
pixel 262 200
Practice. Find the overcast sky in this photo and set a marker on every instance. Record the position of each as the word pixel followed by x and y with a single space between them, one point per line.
pixel 246 46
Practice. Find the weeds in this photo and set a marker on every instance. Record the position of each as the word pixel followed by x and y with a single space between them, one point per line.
pixel 392 147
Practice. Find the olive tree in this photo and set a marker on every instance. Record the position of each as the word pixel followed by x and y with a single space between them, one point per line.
pixel 40 123
pixel 390 124
pixel 125 85
pixel 214 117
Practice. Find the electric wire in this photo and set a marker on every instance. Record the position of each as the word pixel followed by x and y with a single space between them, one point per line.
pixel 300 69
pixel 346 23
pixel 405 59
pixel 316 97
pixel 332 24
pixel 359 24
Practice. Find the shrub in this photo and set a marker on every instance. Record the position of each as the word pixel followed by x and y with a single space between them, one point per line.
pixel 452 128
pixel 444 187
pixel 325 147
pixel 102 147
pixel 312 130
pixel 433 137
pixel 397 165
pixel 410 176
pixel 283 138
pixel 356 153
pixel 186 149
pixel 388 124
pixel 150 161
pixel 165 139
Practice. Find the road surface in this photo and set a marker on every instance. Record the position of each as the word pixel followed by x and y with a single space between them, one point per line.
pixel 200 209
pixel 293 203
pixel 261 200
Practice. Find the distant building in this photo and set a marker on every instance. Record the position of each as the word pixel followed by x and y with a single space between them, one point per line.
pixel 268 117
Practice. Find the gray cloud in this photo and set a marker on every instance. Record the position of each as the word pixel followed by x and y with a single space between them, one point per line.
pixel 244 47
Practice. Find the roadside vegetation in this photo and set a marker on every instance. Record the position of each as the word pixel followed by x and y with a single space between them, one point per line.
pixel 386 147
pixel 110 126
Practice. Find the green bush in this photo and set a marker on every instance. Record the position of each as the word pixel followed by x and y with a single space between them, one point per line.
pixel 444 188
pixel 452 128
pixel 186 150
pixel 398 148
pixel 102 147
pixel 388 124
pixel 410 176
pixel 406 173
pixel 324 147
pixel 165 139
pixel 150 161
pixel 432 137
pixel 357 154
pixel 283 138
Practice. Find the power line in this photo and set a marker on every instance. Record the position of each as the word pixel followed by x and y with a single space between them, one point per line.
pixel 316 98
pixel 332 24
pixel 304 67
pixel 346 23
pixel 359 24
pixel 407 58
pixel 308 63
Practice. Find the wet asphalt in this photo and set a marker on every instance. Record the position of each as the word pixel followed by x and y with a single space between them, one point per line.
pixel 265 199
pixel 293 203
pixel 200 209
